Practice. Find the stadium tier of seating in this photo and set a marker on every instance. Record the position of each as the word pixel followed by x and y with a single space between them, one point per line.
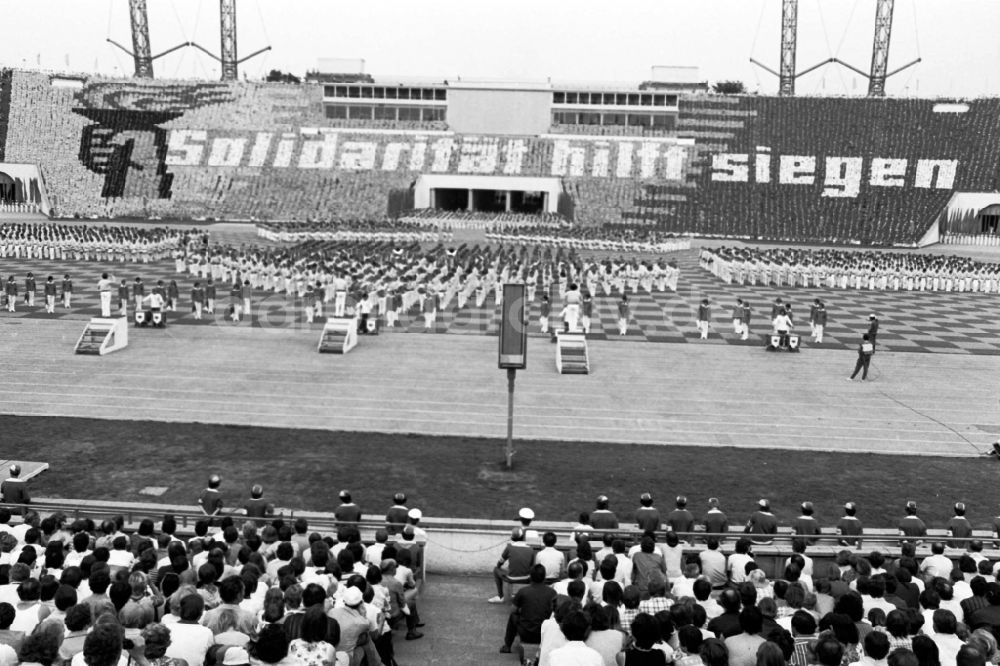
pixel 839 170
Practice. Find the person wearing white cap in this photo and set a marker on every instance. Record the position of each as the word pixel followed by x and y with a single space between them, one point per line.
pixel 15 489
pixel 413 517
pixel 352 617
pixel 236 656
pixel 525 516
pixel 849 528
pixel 959 527
pixel 514 564
pixel 761 522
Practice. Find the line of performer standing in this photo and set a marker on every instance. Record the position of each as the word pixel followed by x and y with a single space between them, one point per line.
pixel 50 290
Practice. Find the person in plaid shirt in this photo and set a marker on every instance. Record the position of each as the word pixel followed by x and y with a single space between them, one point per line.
pixel 630 608
pixel 658 599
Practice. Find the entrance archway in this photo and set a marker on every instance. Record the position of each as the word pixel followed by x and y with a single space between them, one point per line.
pixel 8 190
pixel 989 219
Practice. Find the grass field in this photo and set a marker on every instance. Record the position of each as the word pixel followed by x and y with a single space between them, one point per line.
pixel 463 477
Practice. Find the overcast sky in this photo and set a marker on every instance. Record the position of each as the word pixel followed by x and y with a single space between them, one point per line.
pixel 578 40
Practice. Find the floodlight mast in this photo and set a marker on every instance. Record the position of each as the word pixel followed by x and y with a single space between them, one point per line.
pixel 876 76
pixel 789 35
pixel 880 48
pixel 141 53
pixel 230 59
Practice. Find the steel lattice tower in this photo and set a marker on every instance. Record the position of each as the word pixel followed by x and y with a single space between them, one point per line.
pixel 789 27
pixel 140 39
pixel 227 24
pixel 880 48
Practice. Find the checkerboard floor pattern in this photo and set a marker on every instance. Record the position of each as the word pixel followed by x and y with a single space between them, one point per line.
pixel 909 321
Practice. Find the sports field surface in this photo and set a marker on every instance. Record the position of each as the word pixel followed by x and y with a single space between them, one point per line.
pixel 427 413
pixel 463 476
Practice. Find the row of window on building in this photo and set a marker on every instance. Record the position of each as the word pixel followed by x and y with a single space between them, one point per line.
pixel 615 99
pixel 386 92
pixel 664 121
pixel 391 112
pixel 660 100
pixel 385 112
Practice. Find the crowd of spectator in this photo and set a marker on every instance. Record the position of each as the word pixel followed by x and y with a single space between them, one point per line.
pixel 843 269
pixel 471 219
pixel 114 243
pixel 257 591
pixel 685 601
pixel 607 238
pixel 349 229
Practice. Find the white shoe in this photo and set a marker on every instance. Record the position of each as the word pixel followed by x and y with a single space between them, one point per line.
pixel 495 600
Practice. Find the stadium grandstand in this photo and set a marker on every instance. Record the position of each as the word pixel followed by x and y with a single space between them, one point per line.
pixel 871 171
pixel 217 493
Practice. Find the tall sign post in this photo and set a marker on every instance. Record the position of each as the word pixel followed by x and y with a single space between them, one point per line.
pixel 513 351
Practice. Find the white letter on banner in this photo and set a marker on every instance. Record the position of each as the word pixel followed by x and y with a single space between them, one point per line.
pixel 319 153
pixel 286 146
pixel 731 167
pixel 258 152
pixel 513 156
pixel 358 156
pixel 567 160
pixel 843 177
pixel 797 170
pixel 648 153
pixel 943 169
pixel 478 156
pixel 601 160
pixel 190 152
pixel 762 165
pixel 623 166
pixel 226 152
pixel 442 150
pixel 888 172
pixel 390 157
pixel 674 160
pixel 418 155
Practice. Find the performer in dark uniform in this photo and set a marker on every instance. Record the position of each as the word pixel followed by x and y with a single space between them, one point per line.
pixel 257 507
pixel 865 352
pixel 15 489
pixel 872 329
